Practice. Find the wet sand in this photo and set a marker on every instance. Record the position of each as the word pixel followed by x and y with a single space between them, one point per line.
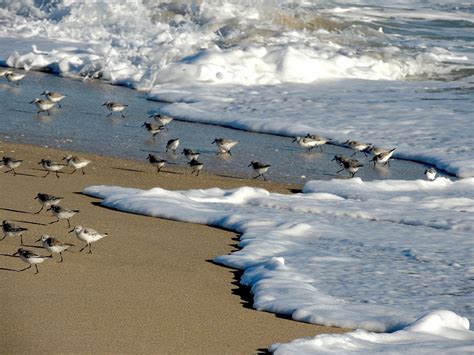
pixel 150 286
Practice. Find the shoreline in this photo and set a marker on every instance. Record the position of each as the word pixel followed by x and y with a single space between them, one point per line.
pixel 151 284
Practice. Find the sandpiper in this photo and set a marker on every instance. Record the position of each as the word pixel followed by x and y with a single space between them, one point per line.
pixel 4 71
pixel 163 120
pixel 53 96
pixel 76 163
pixel 114 107
pixel 358 146
pixel 87 235
pixel 30 258
pixel 375 150
pixel 156 162
pixel 384 157
pixel 340 159
pixel 153 128
pixel 259 168
pixel 224 145
pixel 47 200
pixel 14 77
pixel 190 154
pixel 431 174
pixel 12 230
pixel 11 163
pixel 54 245
pixel 196 166
pixel 51 167
pixel 43 105
pixel 305 142
pixel 320 141
pixel 172 145
pixel 352 166
pixel 62 213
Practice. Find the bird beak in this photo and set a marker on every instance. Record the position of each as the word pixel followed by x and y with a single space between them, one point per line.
pixel 38 240
pixel 35 198
pixel 250 164
pixel 40 163
pixel 32 102
pixel 15 254
pixel 49 209
pixel 72 230
pixel 293 141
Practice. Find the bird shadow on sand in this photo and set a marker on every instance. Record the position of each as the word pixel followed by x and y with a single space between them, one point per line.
pixel 8 269
pixel 128 169
pixel 27 222
pixel 230 176
pixel 16 211
pixel 21 174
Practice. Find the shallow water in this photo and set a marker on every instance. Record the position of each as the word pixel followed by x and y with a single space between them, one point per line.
pixel 82 124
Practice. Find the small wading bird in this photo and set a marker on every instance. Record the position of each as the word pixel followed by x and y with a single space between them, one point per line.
pixel 153 128
pixel 47 200
pixel 43 105
pixel 11 163
pixel 156 162
pixel 30 258
pixel 3 72
pixel 340 159
pixel 62 213
pixel 51 167
pixel 87 235
pixel 431 174
pixel 14 77
pixel 12 230
pixel 376 150
pixel 352 166
pixel 190 154
pixel 224 145
pixel 358 146
pixel 114 107
pixel 54 245
pixel 76 163
pixel 310 141
pixel 196 166
pixel 259 168
pixel 384 158
pixel 163 120
pixel 55 97
pixel 172 145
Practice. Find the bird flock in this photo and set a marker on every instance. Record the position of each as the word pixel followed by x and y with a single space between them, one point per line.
pixel 224 146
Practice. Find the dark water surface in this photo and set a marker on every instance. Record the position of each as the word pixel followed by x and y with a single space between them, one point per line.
pixel 81 124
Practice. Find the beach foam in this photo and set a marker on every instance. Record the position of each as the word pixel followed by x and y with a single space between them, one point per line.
pixel 334 255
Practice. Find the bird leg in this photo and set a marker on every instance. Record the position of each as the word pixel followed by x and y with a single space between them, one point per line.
pixel 46 174
pixel 83 248
pixel 40 210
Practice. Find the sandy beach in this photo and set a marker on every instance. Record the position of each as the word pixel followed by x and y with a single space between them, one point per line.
pixel 150 286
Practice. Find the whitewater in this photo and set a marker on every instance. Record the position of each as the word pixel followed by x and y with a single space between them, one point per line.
pixel 395 74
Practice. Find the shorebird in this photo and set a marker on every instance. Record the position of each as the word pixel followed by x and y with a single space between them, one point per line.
pixel 12 230
pixel 172 145
pixel 115 107
pixel 62 213
pixel 153 128
pixel 376 150
pixel 54 245
pixel 156 162
pixel 51 167
pixel 14 77
pixel 431 174
pixel 11 163
pixel 43 105
pixel 30 258
pixel 358 146
pixel 76 163
pixel 47 200
pixel 54 96
pixel 305 142
pixel 4 71
pixel 259 168
pixel 163 120
pixel 87 235
pixel 196 166
pixel 340 159
pixel 190 154
pixel 384 158
pixel 224 145
pixel 352 166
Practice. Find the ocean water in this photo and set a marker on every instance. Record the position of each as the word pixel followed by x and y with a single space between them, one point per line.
pixel 392 73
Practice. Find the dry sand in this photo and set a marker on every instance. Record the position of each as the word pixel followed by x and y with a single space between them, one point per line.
pixel 150 286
